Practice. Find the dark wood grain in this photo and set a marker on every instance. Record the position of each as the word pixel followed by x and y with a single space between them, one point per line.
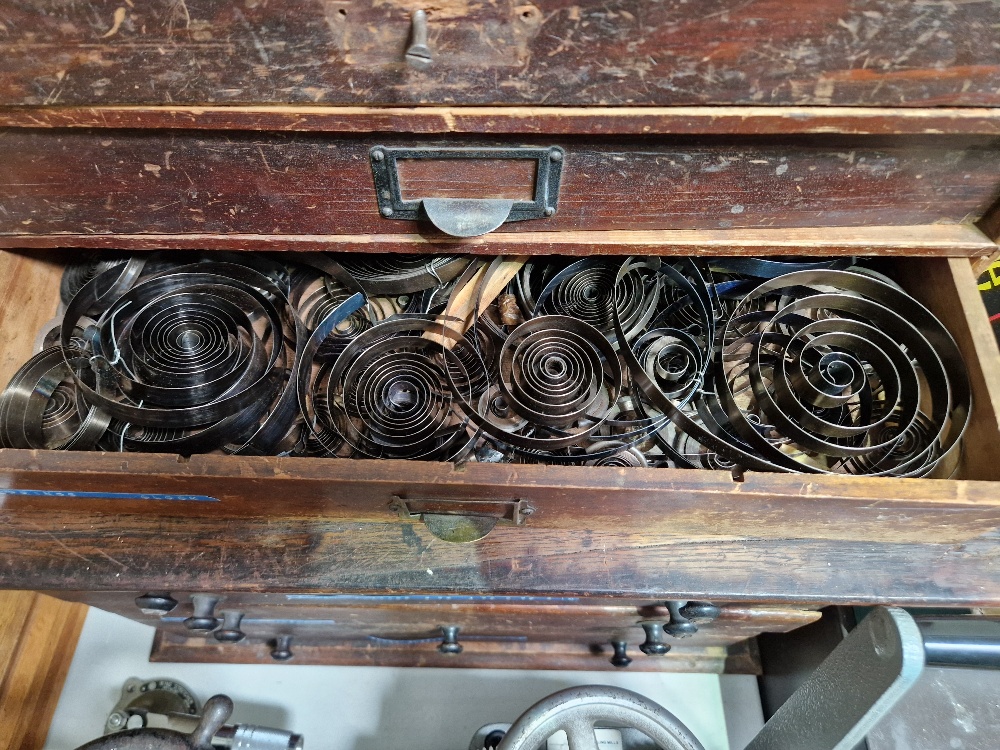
pixel 742 658
pixel 271 552
pixel 520 120
pixel 95 182
pixel 565 52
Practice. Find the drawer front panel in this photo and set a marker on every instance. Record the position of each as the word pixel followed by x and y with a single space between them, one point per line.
pixel 125 183
pixel 852 52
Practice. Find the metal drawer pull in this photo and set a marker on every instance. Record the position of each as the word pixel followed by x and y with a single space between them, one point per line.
pixel 620 658
pixel 282 650
pixel 418 54
pixel 461 520
pixel 466 217
pixel 158 604
pixel 204 618
pixel 653 645
pixel 230 631
pixel 449 643
pixel 686 616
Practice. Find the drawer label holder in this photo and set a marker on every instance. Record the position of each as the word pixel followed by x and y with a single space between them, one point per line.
pixel 461 521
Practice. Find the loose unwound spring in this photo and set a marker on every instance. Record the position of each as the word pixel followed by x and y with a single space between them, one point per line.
pixel 740 363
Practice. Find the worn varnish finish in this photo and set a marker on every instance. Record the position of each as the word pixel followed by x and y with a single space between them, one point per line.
pixel 99 182
pixel 47 549
pixel 740 658
pixel 847 52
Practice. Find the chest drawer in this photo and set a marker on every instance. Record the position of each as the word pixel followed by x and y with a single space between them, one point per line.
pixel 687 187
pixel 140 522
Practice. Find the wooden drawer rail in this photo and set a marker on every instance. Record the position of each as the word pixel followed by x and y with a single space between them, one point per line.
pixel 314 526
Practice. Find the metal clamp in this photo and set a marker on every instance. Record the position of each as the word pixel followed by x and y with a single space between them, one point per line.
pixel 466 217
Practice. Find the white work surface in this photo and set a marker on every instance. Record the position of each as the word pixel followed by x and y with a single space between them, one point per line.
pixel 375 708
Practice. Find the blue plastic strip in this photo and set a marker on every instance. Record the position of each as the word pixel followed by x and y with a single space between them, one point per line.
pixel 109 495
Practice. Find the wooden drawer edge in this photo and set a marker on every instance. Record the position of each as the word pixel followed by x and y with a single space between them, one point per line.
pixel 639 120
pixel 911 240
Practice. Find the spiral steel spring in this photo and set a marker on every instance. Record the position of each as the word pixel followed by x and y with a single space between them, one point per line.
pixel 778 365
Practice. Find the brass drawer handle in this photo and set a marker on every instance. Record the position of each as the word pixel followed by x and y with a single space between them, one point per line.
pixel 461 520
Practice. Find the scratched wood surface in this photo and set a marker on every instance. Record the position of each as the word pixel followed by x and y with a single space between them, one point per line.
pixel 100 182
pixel 58 547
pixel 741 658
pixel 38 635
pixel 770 52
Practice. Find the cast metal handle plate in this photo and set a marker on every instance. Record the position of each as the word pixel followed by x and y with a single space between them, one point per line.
pixel 461 520
pixel 466 217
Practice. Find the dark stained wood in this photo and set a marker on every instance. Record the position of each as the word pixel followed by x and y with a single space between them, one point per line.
pixel 447 178
pixel 96 182
pixel 908 241
pixel 272 552
pixel 520 120
pixel 741 658
pixel 563 52
pixel 662 502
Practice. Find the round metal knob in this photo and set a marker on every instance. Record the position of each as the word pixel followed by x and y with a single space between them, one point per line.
pixel 282 650
pixel 653 645
pixel 204 618
pixel 700 612
pixel 230 631
pixel 620 658
pixel 156 602
pixel 679 626
pixel 449 643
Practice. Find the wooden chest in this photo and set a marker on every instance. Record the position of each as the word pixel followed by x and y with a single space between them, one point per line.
pixel 844 127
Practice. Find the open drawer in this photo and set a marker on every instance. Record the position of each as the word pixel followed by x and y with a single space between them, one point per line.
pixel 227 524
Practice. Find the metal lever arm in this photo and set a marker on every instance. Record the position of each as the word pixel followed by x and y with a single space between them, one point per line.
pixel 852 689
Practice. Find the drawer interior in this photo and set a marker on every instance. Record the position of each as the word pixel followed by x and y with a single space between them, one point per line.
pixel 946 286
